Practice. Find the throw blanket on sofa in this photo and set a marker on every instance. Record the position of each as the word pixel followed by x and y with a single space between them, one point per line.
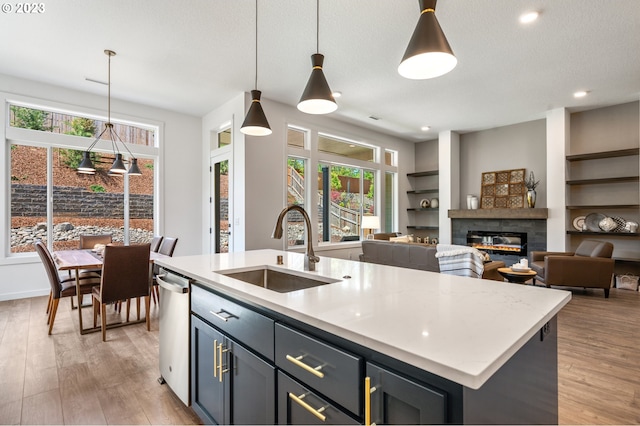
pixel 460 260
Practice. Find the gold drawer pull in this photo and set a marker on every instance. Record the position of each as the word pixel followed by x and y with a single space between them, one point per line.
pixel 215 358
pixel 368 390
pixel 299 401
pixel 221 368
pixel 298 361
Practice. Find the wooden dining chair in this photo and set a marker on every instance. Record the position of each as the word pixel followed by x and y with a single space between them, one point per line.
pixel 125 275
pixel 61 286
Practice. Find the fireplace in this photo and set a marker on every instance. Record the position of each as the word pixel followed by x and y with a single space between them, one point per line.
pixel 497 242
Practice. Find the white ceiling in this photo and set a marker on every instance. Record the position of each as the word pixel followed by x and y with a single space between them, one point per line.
pixel 193 55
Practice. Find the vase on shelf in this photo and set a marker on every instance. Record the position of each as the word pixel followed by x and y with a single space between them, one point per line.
pixel 531 198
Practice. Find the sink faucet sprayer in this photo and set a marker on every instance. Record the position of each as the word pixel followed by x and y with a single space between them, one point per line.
pixel 310 258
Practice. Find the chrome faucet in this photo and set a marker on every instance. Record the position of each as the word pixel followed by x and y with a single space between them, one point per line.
pixel 310 258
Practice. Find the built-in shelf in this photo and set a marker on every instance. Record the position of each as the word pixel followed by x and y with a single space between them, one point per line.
pixel 421 174
pixel 527 214
pixel 617 234
pixel 602 207
pixel 421 209
pixel 417 227
pixel 607 154
pixel 423 191
pixel 604 180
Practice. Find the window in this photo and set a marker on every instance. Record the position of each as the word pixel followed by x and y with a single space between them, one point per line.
pixel 390 157
pixel 350 196
pixel 296 137
pixel 337 182
pixel 346 149
pixel 44 168
pixel 296 194
pixel 224 138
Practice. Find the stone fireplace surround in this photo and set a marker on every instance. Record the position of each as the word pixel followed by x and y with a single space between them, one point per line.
pixel 535 225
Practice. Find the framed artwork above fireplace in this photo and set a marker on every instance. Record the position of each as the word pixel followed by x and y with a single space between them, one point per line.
pixel 503 189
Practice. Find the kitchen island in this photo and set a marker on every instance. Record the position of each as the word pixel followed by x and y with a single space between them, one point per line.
pixel 484 351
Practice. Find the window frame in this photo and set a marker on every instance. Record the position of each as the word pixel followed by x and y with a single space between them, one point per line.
pixel 314 158
pixel 15 135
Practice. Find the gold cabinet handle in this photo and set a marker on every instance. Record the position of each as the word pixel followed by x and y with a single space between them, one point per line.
pixel 298 361
pixel 221 369
pixel 299 401
pixel 368 390
pixel 215 358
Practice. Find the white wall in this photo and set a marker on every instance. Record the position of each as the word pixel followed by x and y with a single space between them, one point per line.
pixel 181 188
pixel 264 168
pixel 519 146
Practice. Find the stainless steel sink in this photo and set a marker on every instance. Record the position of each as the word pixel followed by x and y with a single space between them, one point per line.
pixel 272 279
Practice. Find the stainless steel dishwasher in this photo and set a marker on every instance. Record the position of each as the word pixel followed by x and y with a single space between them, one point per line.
pixel 174 332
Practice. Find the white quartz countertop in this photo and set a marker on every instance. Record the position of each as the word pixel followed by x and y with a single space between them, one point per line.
pixel 462 329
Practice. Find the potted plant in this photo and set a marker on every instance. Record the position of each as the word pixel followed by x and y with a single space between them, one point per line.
pixel 531 183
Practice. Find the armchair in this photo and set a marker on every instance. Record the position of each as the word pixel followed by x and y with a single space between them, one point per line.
pixel 590 266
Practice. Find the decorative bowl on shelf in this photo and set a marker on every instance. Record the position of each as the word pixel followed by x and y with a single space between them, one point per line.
pixel 425 203
pixel 631 226
pixel 607 224
pixel 592 220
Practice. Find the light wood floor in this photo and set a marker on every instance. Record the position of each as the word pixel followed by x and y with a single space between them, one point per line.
pixel 72 379
pixel 66 378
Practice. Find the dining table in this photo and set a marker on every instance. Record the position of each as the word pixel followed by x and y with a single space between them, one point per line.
pixel 81 259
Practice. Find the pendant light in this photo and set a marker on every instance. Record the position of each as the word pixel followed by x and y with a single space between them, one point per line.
pixel 118 167
pixel 317 97
pixel 255 123
pixel 428 54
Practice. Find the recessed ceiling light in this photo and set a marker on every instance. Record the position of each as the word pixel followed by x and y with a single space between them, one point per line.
pixel 580 94
pixel 337 94
pixel 529 17
pixel 425 128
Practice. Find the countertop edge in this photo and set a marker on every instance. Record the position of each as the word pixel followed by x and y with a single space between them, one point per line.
pixel 472 381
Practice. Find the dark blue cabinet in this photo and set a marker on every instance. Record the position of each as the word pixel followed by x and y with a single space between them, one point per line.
pixel 229 384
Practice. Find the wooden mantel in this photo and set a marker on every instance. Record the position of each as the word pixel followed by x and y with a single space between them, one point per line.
pixel 499 214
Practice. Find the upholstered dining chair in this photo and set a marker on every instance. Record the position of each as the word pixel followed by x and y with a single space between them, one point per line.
pixel 167 248
pixel 590 266
pixel 155 243
pixel 61 286
pixel 125 275
pixel 89 241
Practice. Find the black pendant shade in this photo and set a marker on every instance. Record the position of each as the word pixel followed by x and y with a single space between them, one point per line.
pixel 428 54
pixel 86 166
pixel 118 165
pixel 118 168
pixel 317 97
pixel 134 170
pixel 255 123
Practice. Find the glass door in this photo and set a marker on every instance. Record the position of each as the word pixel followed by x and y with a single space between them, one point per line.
pixel 221 241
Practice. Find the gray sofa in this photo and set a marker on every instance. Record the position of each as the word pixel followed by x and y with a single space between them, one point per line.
pixel 414 256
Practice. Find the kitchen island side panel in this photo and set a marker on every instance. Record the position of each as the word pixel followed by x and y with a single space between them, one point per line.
pixel 524 389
